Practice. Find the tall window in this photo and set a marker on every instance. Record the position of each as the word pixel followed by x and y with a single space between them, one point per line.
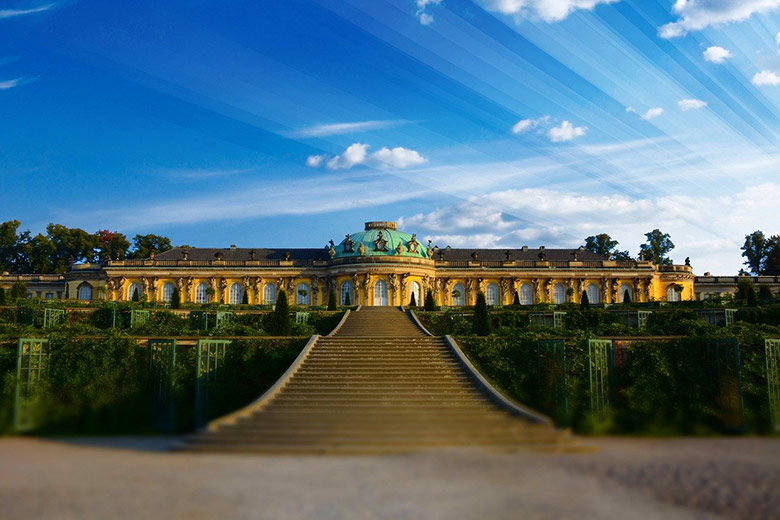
pixel 526 294
pixel 593 293
pixel 458 295
pixel 85 292
pixel 626 289
pixel 672 295
pixel 202 293
pixel 132 289
pixel 302 294
pixel 347 294
pixel 416 290
pixel 559 293
pixel 166 294
pixel 380 292
pixel 269 294
pixel 491 294
pixel 236 293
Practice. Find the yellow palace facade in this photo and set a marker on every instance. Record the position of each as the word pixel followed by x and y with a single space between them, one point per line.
pixel 383 266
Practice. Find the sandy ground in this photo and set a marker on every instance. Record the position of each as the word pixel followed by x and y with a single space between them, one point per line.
pixel 625 479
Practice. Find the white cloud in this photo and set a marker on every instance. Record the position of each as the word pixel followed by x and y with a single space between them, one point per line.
pixel 766 77
pixel 11 83
pixel 691 104
pixel 12 13
pixel 547 10
pixel 525 125
pixel 650 114
pixel 343 128
pixel 566 132
pixel 424 17
pixel 777 40
pixel 694 15
pixel 357 154
pixel 716 54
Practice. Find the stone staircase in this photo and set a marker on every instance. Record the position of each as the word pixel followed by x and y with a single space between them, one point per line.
pixel 379 384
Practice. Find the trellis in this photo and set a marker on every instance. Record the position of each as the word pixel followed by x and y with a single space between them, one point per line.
pixel 731 315
pixel 552 357
pixel 162 361
pixel 210 360
pixel 725 380
pixel 642 317
pixel 772 352
pixel 601 361
pixel 32 358
pixel 559 318
pixel 199 320
pixel 25 316
pixel 52 317
pixel 224 317
pixel 138 317
pixel 301 317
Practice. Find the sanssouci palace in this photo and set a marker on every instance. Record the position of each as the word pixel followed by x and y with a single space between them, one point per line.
pixel 377 266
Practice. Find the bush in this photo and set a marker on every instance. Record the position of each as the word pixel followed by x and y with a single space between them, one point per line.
pixel 175 298
pixel 332 305
pixel 481 320
pixel 280 324
pixel 430 304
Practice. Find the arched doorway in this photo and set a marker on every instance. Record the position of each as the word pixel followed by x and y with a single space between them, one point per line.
pixel 416 290
pixel 380 293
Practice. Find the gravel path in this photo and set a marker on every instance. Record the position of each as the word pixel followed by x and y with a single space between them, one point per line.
pixel 625 479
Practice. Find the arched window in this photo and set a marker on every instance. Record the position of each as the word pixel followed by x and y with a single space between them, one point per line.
pixel 526 294
pixel 132 289
pixel 302 294
pixel 347 295
pixel 672 294
pixel 458 295
pixel 380 293
pixel 593 293
pixel 84 292
pixel 491 294
pixel 416 290
pixel 269 294
pixel 202 293
pixel 236 293
pixel 166 293
pixel 626 294
pixel 559 294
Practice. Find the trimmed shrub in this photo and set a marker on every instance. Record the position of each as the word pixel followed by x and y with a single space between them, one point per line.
pixel 481 320
pixel 280 324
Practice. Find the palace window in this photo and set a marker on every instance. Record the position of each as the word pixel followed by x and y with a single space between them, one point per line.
pixel 672 294
pixel 559 294
pixel 202 293
pixel 416 290
pixel 491 294
pixel 132 289
pixel 84 292
pixel 380 292
pixel 347 294
pixel 458 295
pixel 302 294
pixel 622 296
pixel 166 294
pixel 593 293
pixel 269 294
pixel 236 293
pixel 526 294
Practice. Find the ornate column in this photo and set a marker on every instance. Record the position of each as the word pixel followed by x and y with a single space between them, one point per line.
pixel 604 290
pixel 480 286
pixel 367 286
pixel 637 293
pixel 315 290
pixel 547 287
pixel 355 289
pixel 469 291
pixel 648 284
pixel 181 287
pixel 222 288
pixel 617 297
pixel 536 286
pixel 258 288
pixel 570 285
pixel 404 285
pixel 188 292
pixel 504 284
pixel 447 285
pixel 393 279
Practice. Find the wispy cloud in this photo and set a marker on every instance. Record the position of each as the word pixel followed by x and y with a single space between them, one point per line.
pixel 199 173
pixel 357 154
pixel 765 77
pixel 11 83
pixel 423 16
pixel 695 15
pixel 547 10
pixel 691 104
pixel 651 113
pixel 344 128
pixel 565 131
pixel 12 13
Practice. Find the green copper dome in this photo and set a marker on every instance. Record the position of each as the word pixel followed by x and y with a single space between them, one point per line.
pixel 380 239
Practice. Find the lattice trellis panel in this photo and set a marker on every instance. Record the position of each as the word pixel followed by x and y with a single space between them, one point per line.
pixel 224 317
pixel 731 316
pixel 139 317
pixel 199 320
pixel 772 352
pixel 53 317
pixel 162 362
pixel 559 318
pixel 642 317
pixel 601 360
pixel 725 380
pixel 552 355
pixel 32 359
pixel 210 360
pixel 301 317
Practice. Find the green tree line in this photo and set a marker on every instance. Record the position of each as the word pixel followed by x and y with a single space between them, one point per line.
pixel 21 252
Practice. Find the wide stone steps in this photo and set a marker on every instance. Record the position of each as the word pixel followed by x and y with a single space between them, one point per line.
pixel 379 385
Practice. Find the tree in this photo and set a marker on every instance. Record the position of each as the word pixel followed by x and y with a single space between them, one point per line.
pixel 332 305
pixel 626 296
pixel 764 292
pixel 70 245
pixel 481 323
pixel 175 298
pixel 110 245
pixel 601 244
pixel 146 245
pixel 13 244
pixel 516 299
pixel 584 300
pixel 746 290
pixel 19 290
pixel 280 324
pixel 430 303
pixel 347 300
pixel 772 259
pixel 412 301
pixel 244 296
pixel 136 297
pixel 754 250
pixel 656 248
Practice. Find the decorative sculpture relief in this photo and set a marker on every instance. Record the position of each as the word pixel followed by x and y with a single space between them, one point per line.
pixel 413 244
pixel 349 245
pixel 380 244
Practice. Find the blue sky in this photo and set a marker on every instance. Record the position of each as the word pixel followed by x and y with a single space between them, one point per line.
pixel 495 123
